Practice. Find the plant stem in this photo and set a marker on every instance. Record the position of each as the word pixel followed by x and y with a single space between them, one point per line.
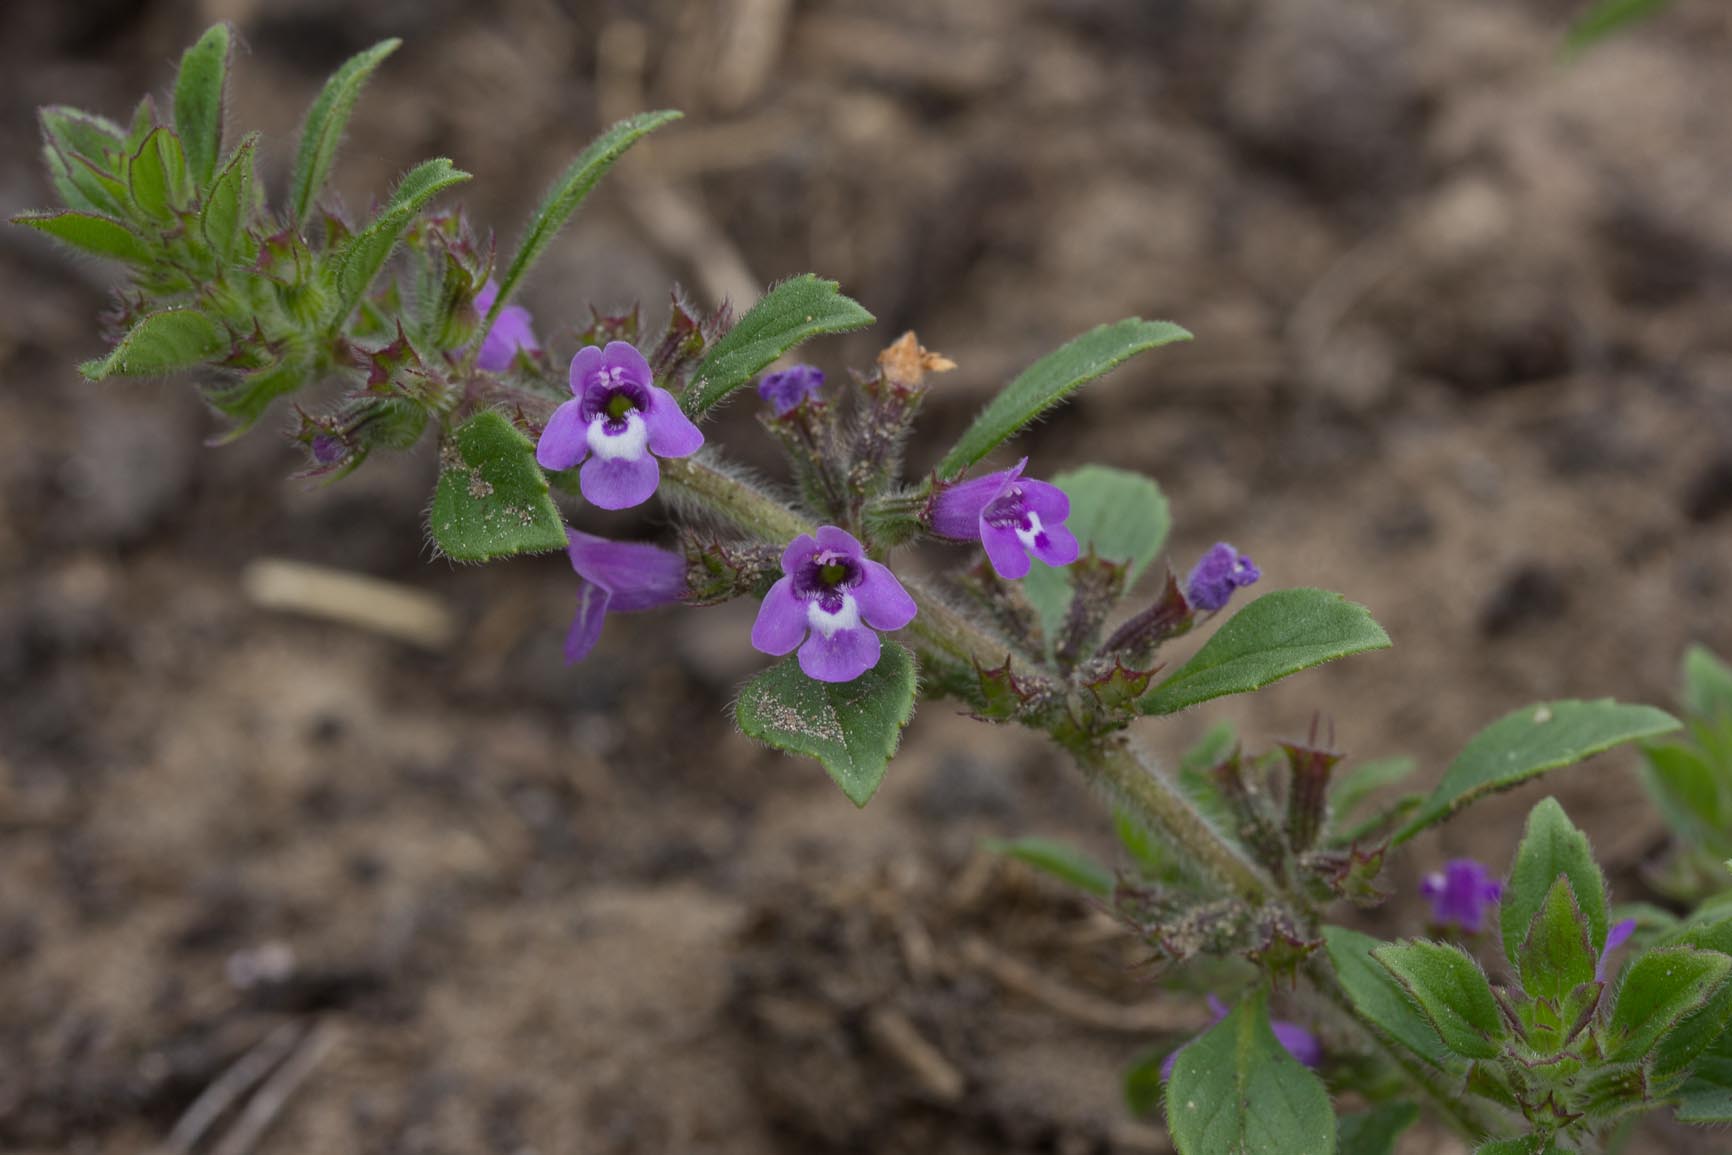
pixel 720 492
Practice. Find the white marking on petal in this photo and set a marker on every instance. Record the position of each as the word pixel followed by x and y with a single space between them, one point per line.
pixel 826 623
pixel 630 443
pixel 1027 534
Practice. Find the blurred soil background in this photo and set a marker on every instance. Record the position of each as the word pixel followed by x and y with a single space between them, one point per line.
pixel 1463 352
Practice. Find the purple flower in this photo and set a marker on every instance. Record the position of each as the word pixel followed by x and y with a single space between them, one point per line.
pixel 1616 936
pixel 510 331
pixel 1216 575
pixel 618 577
pixel 620 422
pixel 1299 1042
pixel 833 597
pixel 1461 894
pixel 785 390
pixel 1011 516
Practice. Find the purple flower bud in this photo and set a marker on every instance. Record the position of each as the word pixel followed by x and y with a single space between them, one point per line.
pixel 1216 575
pixel 617 577
pixel 1461 894
pixel 787 389
pixel 328 449
pixel 1616 936
pixel 510 331
pixel 617 423
pixel 832 597
pixel 1011 516
pixel 1298 1042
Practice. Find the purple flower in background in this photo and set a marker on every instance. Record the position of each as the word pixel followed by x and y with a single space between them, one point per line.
pixel 1011 516
pixel 786 389
pixel 1461 894
pixel 1616 936
pixel 1216 575
pixel 618 577
pixel 510 332
pixel 1299 1042
pixel 832 597
pixel 617 423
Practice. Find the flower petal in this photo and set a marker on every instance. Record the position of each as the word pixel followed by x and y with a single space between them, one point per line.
pixel 565 441
pixel 798 551
pixel 623 356
pixel 957 508
pixel 884 604
pixel 841 657
pixel 486 295
pixel 1055 545
pixel 1300 1043
pixel 1004 549
pixel 584 365
pixel 838 540
pixel 639 576
pixel 1046 499
pixel 592 605
pixel 781 620
pixel 510 332
pixel 619 482
pixel 671 432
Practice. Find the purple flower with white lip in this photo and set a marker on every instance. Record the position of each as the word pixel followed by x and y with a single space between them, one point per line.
pixel 617 423
pixel 1216 575
pixel 832 597
pixel 1461 894
pixel 510 331
pixel 1013 517
pixel 618 577
pixel 787 389
pixel 1298 1042
pixel 1616 936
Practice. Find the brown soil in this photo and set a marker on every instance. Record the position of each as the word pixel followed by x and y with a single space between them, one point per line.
pixel 1462 353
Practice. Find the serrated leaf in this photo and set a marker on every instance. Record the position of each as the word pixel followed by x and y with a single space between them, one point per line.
pixel 1450 991
pixel 1531 741
pixel 360 258
pixel 1050 380
pixel 1707 684
pixel 492 499
pixel 228 206
pixel 1374 1132
pixel 1122 516
pixel 1607 17
pixel 851 728
pixel 1556 956
pixel 97 235
pixel 78 133
pixel 1279 634
pixel 1061 860
pixel 198 102
pixel 161 343
pixel 568 192
pixel 322 130
pixel 1360 782
pixel 1236 1091
pixel 1551 847
pixel 793 311
pixel 1380 1000
pixel 1660 989
pixel 156 177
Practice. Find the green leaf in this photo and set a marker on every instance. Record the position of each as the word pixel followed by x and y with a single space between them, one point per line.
pixel 1605 18
pixel 1362 781
pixel 1707 684
pixel 198 102
pixel 1689 791
pixel 1551 847
pixel 1557 956
pixel 1374 1132
pixel 1122 516
pixel 1705 1031
pixel 83 185
pixel 161 343
pixel 492 498
pixel 793 311
pixel 156 176
pixel 1059 859
pixel 322 131
pixel 77 133
pixel 1659 990
pixel 1707 1096
pixel 1531 741
pixel 1236 1091
pixel 1380 1000
pixel 852 728
pixel 97 235
pixel 1526 1145
pixel 247 399
pixel 1278 634
pixel 1053 378
pixel 1451 992
pixel 1142 1082
pixel 567 193
pixel 1140 843
pixel 361 257
pixel 228 206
